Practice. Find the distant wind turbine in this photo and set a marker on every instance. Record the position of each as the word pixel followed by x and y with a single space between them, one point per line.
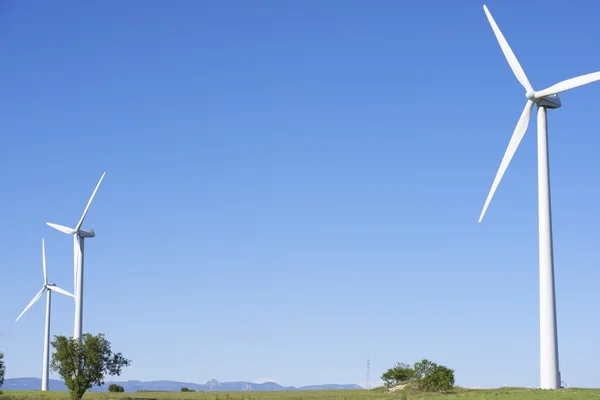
pixel 78 241
pixel 545 99
pixel 50 288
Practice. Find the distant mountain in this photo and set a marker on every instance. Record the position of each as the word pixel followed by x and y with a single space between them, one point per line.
pixel 332 386
pixel 171 386
pixel 31 384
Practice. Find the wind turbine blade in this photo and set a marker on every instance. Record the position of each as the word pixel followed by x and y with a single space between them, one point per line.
pixel 59 290
pixel 63 229
pixel 37 296
pixel 44 263
pixel 569 84
pixel 518 134
pixel 89 203
pixel 508 53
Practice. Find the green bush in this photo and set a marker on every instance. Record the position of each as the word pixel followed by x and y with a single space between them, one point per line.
pixel 425 375
pixel 116 388
pixel 431 377
pixel 400 373
pixel 2 369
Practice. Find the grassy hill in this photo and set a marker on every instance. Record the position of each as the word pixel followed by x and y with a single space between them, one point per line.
pixel 463 394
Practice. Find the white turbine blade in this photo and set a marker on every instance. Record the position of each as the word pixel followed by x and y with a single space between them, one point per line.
pixel 89 203
pixel 44 263
pixel 518 134
pixel 508 53
pixel 63 229
pixel 37 296
pixel 569 84
pixel 59 290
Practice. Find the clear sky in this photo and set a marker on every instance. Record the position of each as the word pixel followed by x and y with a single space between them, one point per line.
pixel 293 187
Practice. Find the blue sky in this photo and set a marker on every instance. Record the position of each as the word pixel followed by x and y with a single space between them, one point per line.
pixel 294 186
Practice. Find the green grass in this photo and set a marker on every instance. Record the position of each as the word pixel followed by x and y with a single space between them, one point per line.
pixel 466 394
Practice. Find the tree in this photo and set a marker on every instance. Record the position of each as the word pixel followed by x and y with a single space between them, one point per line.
pixel 433 377
pixel 113 387
pixel 2 369
pixel 425 375
pixel 440 379
pixel 422 368
pixel 398 374
pixel 84 362
pixel 186 389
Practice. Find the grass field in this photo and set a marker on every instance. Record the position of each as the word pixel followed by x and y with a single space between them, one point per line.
pixel 466 394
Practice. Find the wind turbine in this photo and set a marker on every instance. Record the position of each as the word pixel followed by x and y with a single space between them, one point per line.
pixel 78 239
pixel 49 288
pixel 545 99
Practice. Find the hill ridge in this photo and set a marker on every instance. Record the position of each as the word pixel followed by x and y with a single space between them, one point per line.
pixel 213 385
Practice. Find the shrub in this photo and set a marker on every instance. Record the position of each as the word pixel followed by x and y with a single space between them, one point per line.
pixel 425 375
pixel 116 388
pixel 432 377
pixel 2 369
pixel 398 374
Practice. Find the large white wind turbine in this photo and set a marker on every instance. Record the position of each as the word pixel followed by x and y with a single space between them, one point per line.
pixel 78 239
pixel 49 288
pixel 545 99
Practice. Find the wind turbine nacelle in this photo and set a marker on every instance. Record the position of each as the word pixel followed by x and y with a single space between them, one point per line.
pixel 552 101
pixel 87 234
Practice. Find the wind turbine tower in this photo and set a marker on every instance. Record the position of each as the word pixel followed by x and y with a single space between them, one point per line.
pixel 368 373
pixel 79 236
pixel 546 99
pixel 50 288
